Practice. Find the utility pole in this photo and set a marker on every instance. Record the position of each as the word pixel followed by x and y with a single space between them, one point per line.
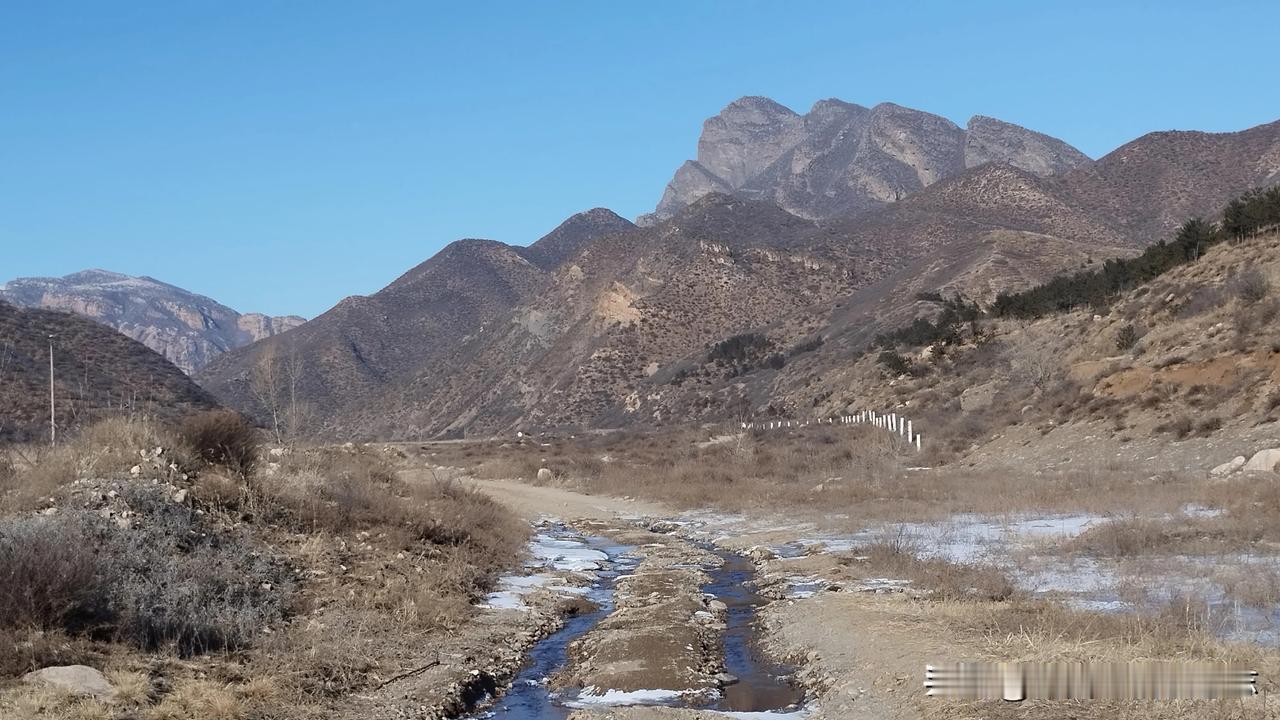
pixel 53 425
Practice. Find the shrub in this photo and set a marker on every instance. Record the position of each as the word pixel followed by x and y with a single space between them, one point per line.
pixel 894 363
pixel 1252 286
pixel 221 437
pixel 1209 426
pixel 50 575
pixel 1127 337
pixel 170 580
pixel 1179 427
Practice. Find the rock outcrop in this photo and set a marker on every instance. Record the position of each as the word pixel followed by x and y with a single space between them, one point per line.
pixel 842 158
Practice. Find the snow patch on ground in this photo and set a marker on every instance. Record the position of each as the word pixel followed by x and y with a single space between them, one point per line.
pixel 562 556
pixel 591 697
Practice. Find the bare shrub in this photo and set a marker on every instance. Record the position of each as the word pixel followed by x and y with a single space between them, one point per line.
pixel 1208 426
pixel 1035 365
pixel 1251 286
pixel 177 582
pixel 223 438
pixel 1180 427
pixel 170 580
pixel 51 575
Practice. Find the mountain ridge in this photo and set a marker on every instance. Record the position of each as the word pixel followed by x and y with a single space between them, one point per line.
pixel 614 328
pixel 842 158
pixel 185 327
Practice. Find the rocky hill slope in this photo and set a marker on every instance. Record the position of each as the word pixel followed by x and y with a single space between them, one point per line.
pixel 841 158
pixel 186 328
pixel 97 371
pixel 727 308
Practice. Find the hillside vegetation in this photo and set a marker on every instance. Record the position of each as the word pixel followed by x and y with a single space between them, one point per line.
pixel 1175 344
pixel 210 579
pixel 98 372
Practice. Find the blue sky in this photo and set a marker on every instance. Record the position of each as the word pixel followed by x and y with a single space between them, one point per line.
pixel 279 156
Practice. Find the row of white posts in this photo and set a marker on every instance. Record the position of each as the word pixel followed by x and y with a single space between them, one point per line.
pixel 892 422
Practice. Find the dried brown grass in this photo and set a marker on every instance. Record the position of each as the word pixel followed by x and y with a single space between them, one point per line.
pixel 31 475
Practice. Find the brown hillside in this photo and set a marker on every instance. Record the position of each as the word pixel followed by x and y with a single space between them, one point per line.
pixel 97 372
pixel 605 324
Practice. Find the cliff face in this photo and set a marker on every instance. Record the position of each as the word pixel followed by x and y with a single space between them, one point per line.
pixel 842 158
pixel 187 329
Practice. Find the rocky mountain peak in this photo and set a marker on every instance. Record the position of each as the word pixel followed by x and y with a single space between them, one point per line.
pixel 557 246
pixel 990 140
pixel 186 328
pixel 842 158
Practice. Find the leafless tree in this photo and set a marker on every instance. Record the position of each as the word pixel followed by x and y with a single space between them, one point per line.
pixel 1036 364
pixel 267 384
pixel 297 412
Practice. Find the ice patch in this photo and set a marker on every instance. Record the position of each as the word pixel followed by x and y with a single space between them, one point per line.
pixel 566 555
pixel 591 696
pixel 800 587
pixel 768 714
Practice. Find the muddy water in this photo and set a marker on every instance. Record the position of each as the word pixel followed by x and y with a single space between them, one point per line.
pixel 762 684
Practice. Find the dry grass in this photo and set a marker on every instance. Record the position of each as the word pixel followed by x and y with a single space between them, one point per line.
pixel 190 554
pixel 195 699
pixel 856 472
pixel 897 557
pixel 132 688
pixel 31 475
pixel 28 702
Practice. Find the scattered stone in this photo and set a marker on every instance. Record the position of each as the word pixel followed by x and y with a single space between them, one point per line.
pixel 75 679
pixel 717 606
pixel 725 678
pixel 545 475
pixel 1263 461
pixel 1228 467
pixel 180 496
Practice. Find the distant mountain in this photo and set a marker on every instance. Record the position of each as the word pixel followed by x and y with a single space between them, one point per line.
pixel 1151 185
pixel 841 158
pixel 414 326
pixel 186 328
pixel 97 371
pixel 605 324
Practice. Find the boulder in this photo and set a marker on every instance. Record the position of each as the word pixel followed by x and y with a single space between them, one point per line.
pixel 1263 461
pixel 1228 467
pixel 978 397
pixel 74 679
pixel 545 475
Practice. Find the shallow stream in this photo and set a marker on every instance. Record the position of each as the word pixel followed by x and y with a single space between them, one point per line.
pixel 761 685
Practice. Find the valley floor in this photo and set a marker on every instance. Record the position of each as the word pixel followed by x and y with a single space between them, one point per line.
pixel 860 640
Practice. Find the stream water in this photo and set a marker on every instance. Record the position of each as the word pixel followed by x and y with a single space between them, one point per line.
pixel 761 684
pixel 529 697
